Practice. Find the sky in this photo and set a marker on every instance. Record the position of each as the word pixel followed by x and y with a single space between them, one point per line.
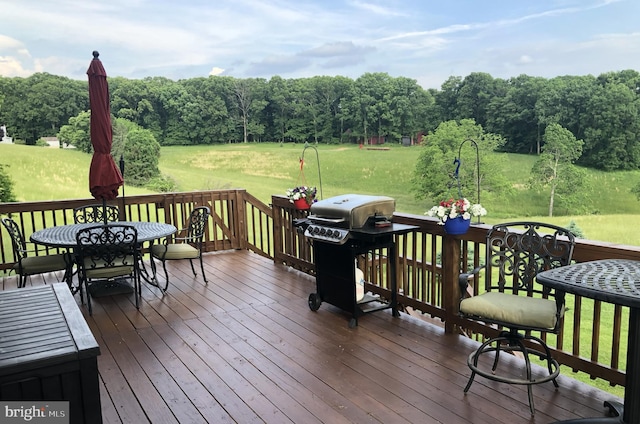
pixel 425 40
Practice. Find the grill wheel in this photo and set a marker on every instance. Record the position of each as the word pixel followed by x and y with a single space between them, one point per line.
pixel 314 301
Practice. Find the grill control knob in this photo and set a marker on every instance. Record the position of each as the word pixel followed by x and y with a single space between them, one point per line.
pixel 316 230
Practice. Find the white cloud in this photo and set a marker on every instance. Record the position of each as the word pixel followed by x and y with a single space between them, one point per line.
pixel 9 43
pixel 15 60
pixel 12 67
pixel 377 9
pixel 524 59
pixel 345 48
pixel 216 71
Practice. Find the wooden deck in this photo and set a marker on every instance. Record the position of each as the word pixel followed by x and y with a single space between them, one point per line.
pixel 246 348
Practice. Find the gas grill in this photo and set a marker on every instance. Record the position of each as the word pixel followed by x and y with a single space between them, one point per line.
pixel 341 229
pixel 337 219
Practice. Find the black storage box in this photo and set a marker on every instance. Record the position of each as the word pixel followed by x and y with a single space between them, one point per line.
pixel 47 351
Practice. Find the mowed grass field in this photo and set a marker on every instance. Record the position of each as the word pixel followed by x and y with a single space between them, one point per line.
pixel 264 169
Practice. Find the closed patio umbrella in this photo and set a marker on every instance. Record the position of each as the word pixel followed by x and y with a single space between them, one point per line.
pixel 104 176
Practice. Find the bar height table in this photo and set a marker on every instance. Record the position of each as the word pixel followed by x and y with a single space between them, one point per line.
pixel 614 281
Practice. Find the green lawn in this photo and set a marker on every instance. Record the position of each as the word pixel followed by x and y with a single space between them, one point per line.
pixel 269 168
pixel 45 173
pixel 265 169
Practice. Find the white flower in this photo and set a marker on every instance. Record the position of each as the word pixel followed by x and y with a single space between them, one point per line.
pixel 477 210
pixel 302 192
pixel 454 208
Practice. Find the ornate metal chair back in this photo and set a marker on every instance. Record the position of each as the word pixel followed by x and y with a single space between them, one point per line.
pixel 90 214
pixel 17 238
pixel 518 251
pixel 197 224
pixel 107 246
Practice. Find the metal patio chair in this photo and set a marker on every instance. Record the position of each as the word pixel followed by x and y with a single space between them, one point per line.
pixel 106 255
pixel 96 214
pixel 186 244
pixel 514 302
pixel 28 264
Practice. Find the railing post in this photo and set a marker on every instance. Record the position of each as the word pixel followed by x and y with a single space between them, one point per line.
pixel 277 231
pixel 450 273
pixel 241 219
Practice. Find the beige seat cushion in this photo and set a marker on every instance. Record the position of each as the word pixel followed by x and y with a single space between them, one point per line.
pixel 522 310
pixel 40 264
pixel 175 251
pixel 95 270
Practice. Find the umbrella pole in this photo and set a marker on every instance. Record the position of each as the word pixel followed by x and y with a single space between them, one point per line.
pixel 123 214
pixel 104 210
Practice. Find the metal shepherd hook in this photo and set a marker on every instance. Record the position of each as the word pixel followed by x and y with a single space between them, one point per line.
pixel 458 162
pixel 307 146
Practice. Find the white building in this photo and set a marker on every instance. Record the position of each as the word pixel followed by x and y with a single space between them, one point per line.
pixel 5 135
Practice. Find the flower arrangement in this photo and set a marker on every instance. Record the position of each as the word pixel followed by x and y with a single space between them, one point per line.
pixel 453 208
pixel 302 192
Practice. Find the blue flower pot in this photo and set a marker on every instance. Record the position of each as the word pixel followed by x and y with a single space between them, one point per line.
pixel 457 226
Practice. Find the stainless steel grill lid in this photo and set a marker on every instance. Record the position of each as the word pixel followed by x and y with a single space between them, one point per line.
pixel 352 210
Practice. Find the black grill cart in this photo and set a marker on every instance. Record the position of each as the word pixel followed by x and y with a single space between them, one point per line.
pixel 336 272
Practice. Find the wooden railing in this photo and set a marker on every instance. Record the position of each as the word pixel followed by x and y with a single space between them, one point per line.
pixel 238 220
pixel 427 258
pixel 428 262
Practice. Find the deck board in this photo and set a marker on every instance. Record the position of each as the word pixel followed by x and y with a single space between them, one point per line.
pixel 246 348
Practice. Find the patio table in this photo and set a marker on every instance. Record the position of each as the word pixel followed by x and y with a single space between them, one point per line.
pixel 614 281
pixel 64 236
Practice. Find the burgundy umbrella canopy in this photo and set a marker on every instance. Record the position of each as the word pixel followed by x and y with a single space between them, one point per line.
pixel 104 176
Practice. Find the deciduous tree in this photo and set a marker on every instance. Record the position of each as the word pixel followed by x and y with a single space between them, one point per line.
pixel 250 95
pixel 141 155
pixel 434 177
pixel 6 186
pixel 555 169
pixel 77 133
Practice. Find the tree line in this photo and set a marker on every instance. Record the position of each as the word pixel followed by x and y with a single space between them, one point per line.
pixel 601 111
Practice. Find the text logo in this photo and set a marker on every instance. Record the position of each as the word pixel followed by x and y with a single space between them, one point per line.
pixel 38 412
